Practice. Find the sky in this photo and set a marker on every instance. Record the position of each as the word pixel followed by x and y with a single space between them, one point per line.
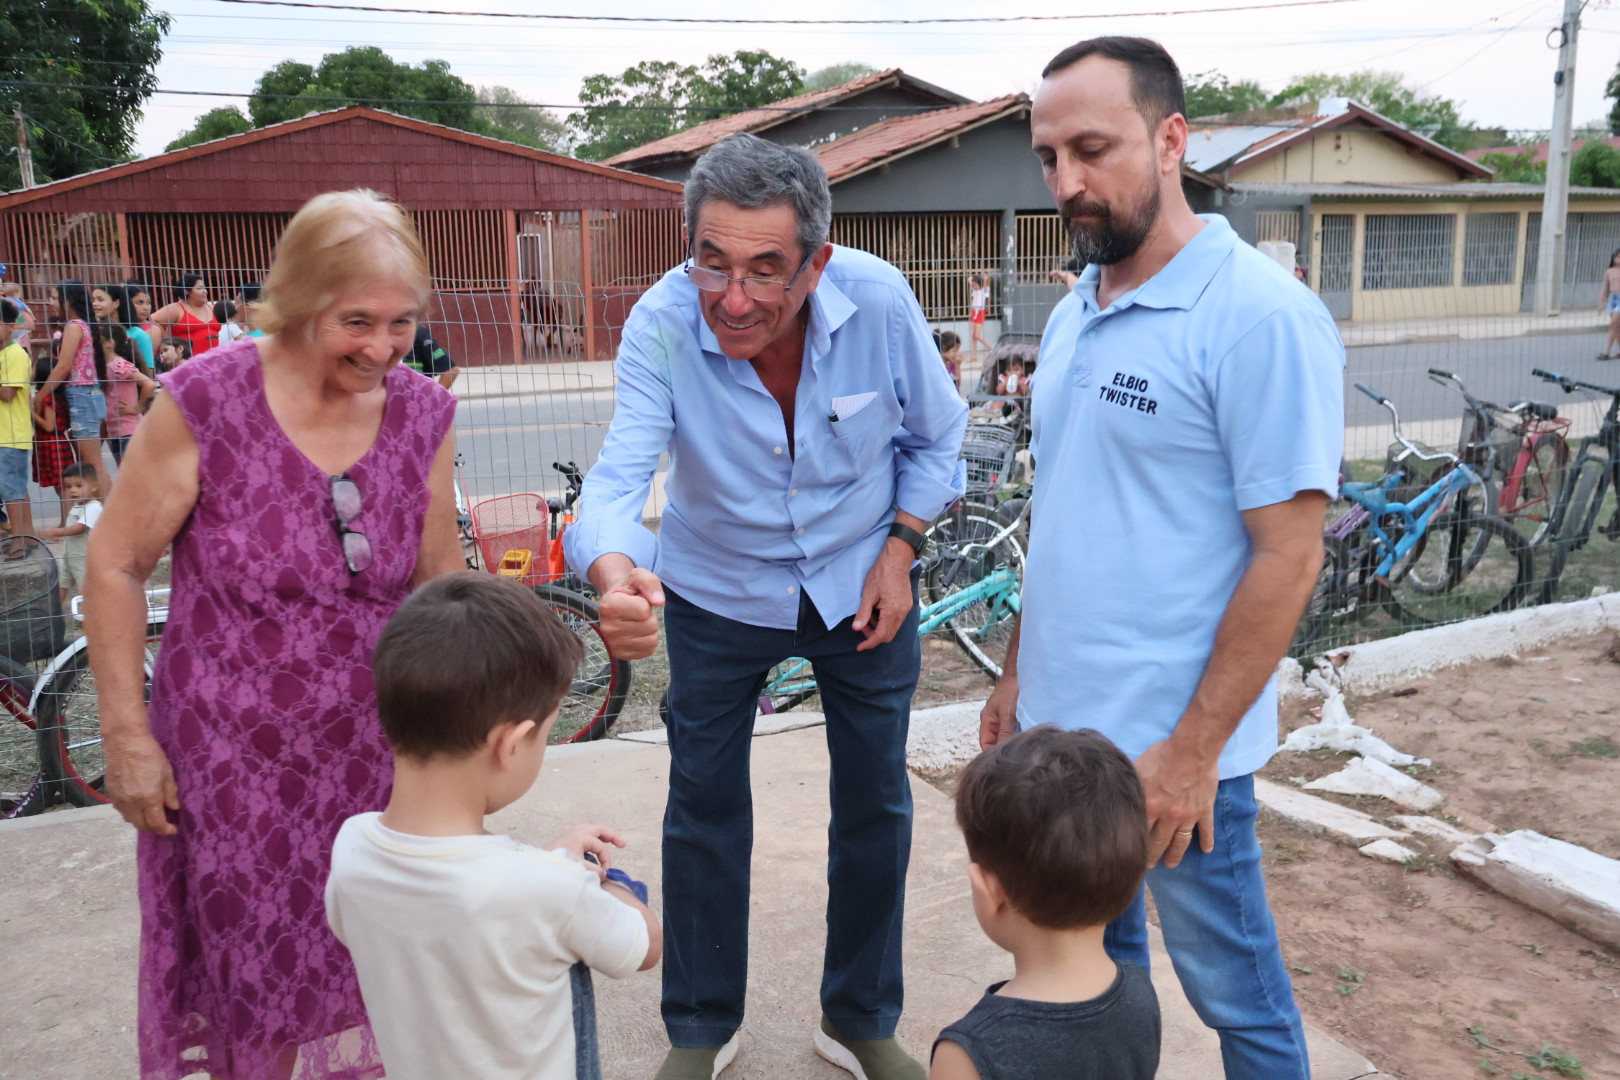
pixel 1491 56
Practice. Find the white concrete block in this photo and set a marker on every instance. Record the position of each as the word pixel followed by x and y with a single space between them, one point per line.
pixel 1387 851
pixel 1568 883
pixel 1320 816
pixel 943 737
pixel 1433 828
pixel 1365 776
pixel 1347 738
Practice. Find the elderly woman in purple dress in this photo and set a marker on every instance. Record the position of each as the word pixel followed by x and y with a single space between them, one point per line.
pixel 303 480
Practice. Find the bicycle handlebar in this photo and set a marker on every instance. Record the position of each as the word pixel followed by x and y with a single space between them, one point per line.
pixel 1569 385
pixel 1375 395
pixel 1395 418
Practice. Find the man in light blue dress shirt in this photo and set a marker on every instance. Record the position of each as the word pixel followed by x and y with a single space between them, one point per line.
pixel 1188 418
pixel 812 434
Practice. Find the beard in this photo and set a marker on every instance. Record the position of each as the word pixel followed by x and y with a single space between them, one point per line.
pixel 1110 237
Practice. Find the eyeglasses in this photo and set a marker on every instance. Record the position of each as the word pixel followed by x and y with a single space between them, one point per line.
pixel 763 289
pixel 346 502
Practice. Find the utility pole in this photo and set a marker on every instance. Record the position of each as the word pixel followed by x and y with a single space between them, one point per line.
pixel 1555 200
pixel 25 157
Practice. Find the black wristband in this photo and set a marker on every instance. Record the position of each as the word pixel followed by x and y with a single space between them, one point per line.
pixel 911 536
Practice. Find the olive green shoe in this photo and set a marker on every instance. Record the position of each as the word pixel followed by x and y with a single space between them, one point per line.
pixel 686 1063
pixel 868 1059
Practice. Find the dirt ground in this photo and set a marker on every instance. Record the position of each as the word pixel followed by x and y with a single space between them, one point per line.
pixel 1428 973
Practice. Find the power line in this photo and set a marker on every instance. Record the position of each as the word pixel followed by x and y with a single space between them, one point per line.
pixel 310 4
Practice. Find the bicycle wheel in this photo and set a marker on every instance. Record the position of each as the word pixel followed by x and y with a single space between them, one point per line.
pixel 1497 580
pixel 1477 501
pixel 1329 600
pixel 22 786
pixel 1576 527
pixel 602 681
pixel 984 629
pixel 1539 488
pixel 70 748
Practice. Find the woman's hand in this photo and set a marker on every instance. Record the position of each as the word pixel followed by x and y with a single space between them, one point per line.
pixel 141 783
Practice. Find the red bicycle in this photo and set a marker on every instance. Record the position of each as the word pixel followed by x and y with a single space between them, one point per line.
pixel 1520 451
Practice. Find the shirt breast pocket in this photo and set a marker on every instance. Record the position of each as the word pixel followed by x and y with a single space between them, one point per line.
pixel 858 441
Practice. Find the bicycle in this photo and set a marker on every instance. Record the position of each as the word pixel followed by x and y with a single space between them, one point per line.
pixel 1595 470
pixel 1525 448
pixel 1410 556
pixel 511 523
pixel 970 587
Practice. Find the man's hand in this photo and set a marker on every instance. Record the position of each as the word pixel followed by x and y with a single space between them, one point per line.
pixel 1180 787
pixel 887 595
pixel 998 719
pixel 627 609
pixel 597 840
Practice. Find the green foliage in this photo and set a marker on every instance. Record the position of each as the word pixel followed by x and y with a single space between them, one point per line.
pixel 1516 168
pixel 102 43
pixel 656 98
pixel 1612 92
pixel 1210 93
pixel 1597 164
pixel 364 75
pixel 211 125
pixel 531 125
pixel 1384 92
pixel 836 75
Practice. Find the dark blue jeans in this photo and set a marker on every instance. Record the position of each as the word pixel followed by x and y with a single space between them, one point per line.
pixel 717 670
pixel 1223 944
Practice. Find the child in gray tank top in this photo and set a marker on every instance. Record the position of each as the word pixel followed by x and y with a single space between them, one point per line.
pixel 1056 828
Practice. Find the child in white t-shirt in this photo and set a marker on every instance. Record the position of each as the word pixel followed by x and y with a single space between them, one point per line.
pixel 474 951
pixel 81 490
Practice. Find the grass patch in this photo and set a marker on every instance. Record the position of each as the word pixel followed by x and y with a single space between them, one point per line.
pixel 1600 747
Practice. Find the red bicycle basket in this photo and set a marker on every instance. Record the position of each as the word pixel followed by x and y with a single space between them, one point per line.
pixel 510 523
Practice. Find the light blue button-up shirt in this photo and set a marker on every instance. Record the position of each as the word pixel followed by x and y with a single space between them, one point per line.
pixel 750 520
pixel 1214 388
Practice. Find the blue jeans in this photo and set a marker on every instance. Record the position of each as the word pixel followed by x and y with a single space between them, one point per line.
pixel 717 670
pixel 1223 944
pixel 87 408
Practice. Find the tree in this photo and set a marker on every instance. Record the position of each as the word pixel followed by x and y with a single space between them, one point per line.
pixel 1211 94
pixel 211 125
pixel 111 45
pixel 1384 92
pixel 364 75
pixel 656 98
pixel 1612 92
pixel 505 115
pixel 836 75
pixel 1597 164
pixel 1519 167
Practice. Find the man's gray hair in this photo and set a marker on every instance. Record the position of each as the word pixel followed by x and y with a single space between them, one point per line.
pixel 752 173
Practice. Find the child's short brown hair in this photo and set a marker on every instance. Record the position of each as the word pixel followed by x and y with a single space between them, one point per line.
pixel 463 654
pixel 1060 819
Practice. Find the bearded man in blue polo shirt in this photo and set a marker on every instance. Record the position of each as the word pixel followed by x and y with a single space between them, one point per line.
pixel 1188 421
pixel 812 433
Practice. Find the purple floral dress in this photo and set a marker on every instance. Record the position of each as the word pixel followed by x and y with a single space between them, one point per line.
pixel 263 700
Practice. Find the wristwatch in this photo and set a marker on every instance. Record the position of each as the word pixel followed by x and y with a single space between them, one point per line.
pixel 917 540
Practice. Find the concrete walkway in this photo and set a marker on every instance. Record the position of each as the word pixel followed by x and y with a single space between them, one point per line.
pixel 69 926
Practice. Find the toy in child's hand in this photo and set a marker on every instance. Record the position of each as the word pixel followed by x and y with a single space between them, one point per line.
pixel 637 889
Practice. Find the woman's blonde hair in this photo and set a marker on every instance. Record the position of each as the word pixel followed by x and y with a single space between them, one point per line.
pixel 335 241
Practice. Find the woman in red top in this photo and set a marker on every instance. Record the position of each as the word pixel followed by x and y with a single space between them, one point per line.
pixel 190 318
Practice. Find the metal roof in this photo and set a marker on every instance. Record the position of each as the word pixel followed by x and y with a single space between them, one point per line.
pixel 1462 190
pixel 1209 149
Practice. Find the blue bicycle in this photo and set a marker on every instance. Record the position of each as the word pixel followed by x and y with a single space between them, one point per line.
pixel 1428 558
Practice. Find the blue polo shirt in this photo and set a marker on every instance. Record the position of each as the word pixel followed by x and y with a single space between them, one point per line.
pixel 1214 388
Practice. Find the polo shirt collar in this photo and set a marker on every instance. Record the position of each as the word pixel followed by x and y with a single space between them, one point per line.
pixel 1184 277
pixel 829 309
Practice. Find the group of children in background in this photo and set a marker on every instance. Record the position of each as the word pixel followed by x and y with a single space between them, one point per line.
pixel 474 951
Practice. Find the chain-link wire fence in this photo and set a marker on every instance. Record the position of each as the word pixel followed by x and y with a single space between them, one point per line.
pixel 532 327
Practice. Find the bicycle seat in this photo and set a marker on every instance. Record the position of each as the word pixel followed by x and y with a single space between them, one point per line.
pixel 1537 410
pixel 1372 494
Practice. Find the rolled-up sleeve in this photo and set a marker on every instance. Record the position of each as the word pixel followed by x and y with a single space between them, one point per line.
pixel 616 489
pixel 928 475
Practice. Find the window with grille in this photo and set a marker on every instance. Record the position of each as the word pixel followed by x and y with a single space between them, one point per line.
pixel 1408 251
pixel 1490 248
